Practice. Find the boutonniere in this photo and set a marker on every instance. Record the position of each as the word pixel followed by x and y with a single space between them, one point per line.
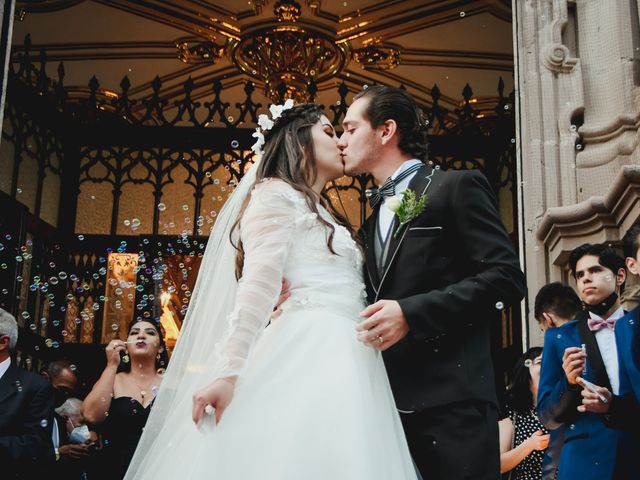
pixel 406 206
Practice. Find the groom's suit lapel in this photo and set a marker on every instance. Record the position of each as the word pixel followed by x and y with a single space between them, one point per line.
pixel 419 184
pixel 370 257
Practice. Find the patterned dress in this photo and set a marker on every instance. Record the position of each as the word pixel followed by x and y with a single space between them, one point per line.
pixel 525 425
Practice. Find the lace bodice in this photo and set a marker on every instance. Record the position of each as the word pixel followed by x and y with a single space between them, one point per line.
pixel 282 238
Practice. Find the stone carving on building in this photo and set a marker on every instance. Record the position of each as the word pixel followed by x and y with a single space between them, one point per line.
pixel 578 63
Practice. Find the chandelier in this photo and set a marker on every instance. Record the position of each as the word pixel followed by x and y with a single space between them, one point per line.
pixel 288 56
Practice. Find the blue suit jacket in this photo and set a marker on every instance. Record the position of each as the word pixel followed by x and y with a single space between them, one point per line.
pixel 552 453
pixel 591 445
pixel 628 341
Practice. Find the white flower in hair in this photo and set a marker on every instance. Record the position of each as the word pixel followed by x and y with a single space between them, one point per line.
pixel 276 110
pixel 257 147
pixel 265 123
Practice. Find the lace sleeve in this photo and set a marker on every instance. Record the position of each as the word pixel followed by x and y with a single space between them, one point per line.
pixel 266 230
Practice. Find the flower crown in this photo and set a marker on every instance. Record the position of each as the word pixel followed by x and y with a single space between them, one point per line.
pixel 265 123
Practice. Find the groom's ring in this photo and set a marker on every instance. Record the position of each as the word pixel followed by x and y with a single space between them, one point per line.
pixel 380 339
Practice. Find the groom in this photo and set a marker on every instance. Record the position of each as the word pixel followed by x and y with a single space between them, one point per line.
pixel 435 284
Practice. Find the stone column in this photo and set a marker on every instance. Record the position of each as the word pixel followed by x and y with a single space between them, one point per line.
pixel 578 75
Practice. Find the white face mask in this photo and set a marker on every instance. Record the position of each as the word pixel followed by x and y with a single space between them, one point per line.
pixel 79 434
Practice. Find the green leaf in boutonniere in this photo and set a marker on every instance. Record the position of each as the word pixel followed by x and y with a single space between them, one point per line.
pixel 406 206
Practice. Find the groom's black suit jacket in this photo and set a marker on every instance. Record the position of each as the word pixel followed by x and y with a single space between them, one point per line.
pixel 448 268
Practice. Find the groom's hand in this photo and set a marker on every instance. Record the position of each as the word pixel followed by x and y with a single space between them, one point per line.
pixel 284 296
pixel 384 326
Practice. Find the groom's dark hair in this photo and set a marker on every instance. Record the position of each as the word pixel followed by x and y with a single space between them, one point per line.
pixel 388 103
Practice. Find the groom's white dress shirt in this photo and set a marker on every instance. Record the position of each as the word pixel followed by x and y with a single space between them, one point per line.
pixel 385 217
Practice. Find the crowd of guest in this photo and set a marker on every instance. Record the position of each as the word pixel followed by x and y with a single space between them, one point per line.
pixel 571 410
pixel 47 432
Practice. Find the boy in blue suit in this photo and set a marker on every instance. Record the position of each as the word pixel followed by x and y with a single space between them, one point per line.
pixel 586 348
pixel 555 305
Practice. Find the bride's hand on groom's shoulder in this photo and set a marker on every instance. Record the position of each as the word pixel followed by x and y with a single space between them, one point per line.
pixel 384 325
pixel 217 394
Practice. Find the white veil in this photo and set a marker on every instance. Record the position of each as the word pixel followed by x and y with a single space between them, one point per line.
pixel 197 353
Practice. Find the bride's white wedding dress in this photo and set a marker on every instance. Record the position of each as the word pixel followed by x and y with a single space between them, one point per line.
pixel 311 402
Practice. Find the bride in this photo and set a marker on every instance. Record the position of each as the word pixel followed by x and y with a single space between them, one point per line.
pixel 297 397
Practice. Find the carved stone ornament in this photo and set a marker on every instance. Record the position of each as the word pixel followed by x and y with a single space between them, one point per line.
pixel 600 219
pixel 557 58
pixel 555 55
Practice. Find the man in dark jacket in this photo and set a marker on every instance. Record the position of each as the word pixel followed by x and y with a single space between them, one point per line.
pixel 26 410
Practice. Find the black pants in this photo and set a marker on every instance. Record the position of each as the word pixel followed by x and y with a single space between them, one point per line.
pixel 455 442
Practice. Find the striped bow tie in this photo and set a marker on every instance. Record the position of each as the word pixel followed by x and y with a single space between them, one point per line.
pixel 388 188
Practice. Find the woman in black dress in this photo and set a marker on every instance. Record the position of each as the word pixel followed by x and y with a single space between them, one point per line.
pixel 121 399
pixel 523 439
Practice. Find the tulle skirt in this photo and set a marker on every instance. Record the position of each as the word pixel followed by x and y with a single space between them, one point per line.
pixel 313 403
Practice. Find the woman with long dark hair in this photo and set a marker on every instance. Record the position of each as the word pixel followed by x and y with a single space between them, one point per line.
pixel 523 438
pixel 121 399
pixel 297 396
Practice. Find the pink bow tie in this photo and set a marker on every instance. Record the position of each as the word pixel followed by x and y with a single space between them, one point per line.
pixel 596 324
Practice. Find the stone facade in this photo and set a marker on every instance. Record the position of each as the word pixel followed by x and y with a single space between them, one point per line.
pixel 578 77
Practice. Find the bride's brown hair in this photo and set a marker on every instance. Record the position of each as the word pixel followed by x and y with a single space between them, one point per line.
pixel 288 155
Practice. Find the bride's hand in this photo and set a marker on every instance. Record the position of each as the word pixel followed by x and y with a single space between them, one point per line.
pixel 217 394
